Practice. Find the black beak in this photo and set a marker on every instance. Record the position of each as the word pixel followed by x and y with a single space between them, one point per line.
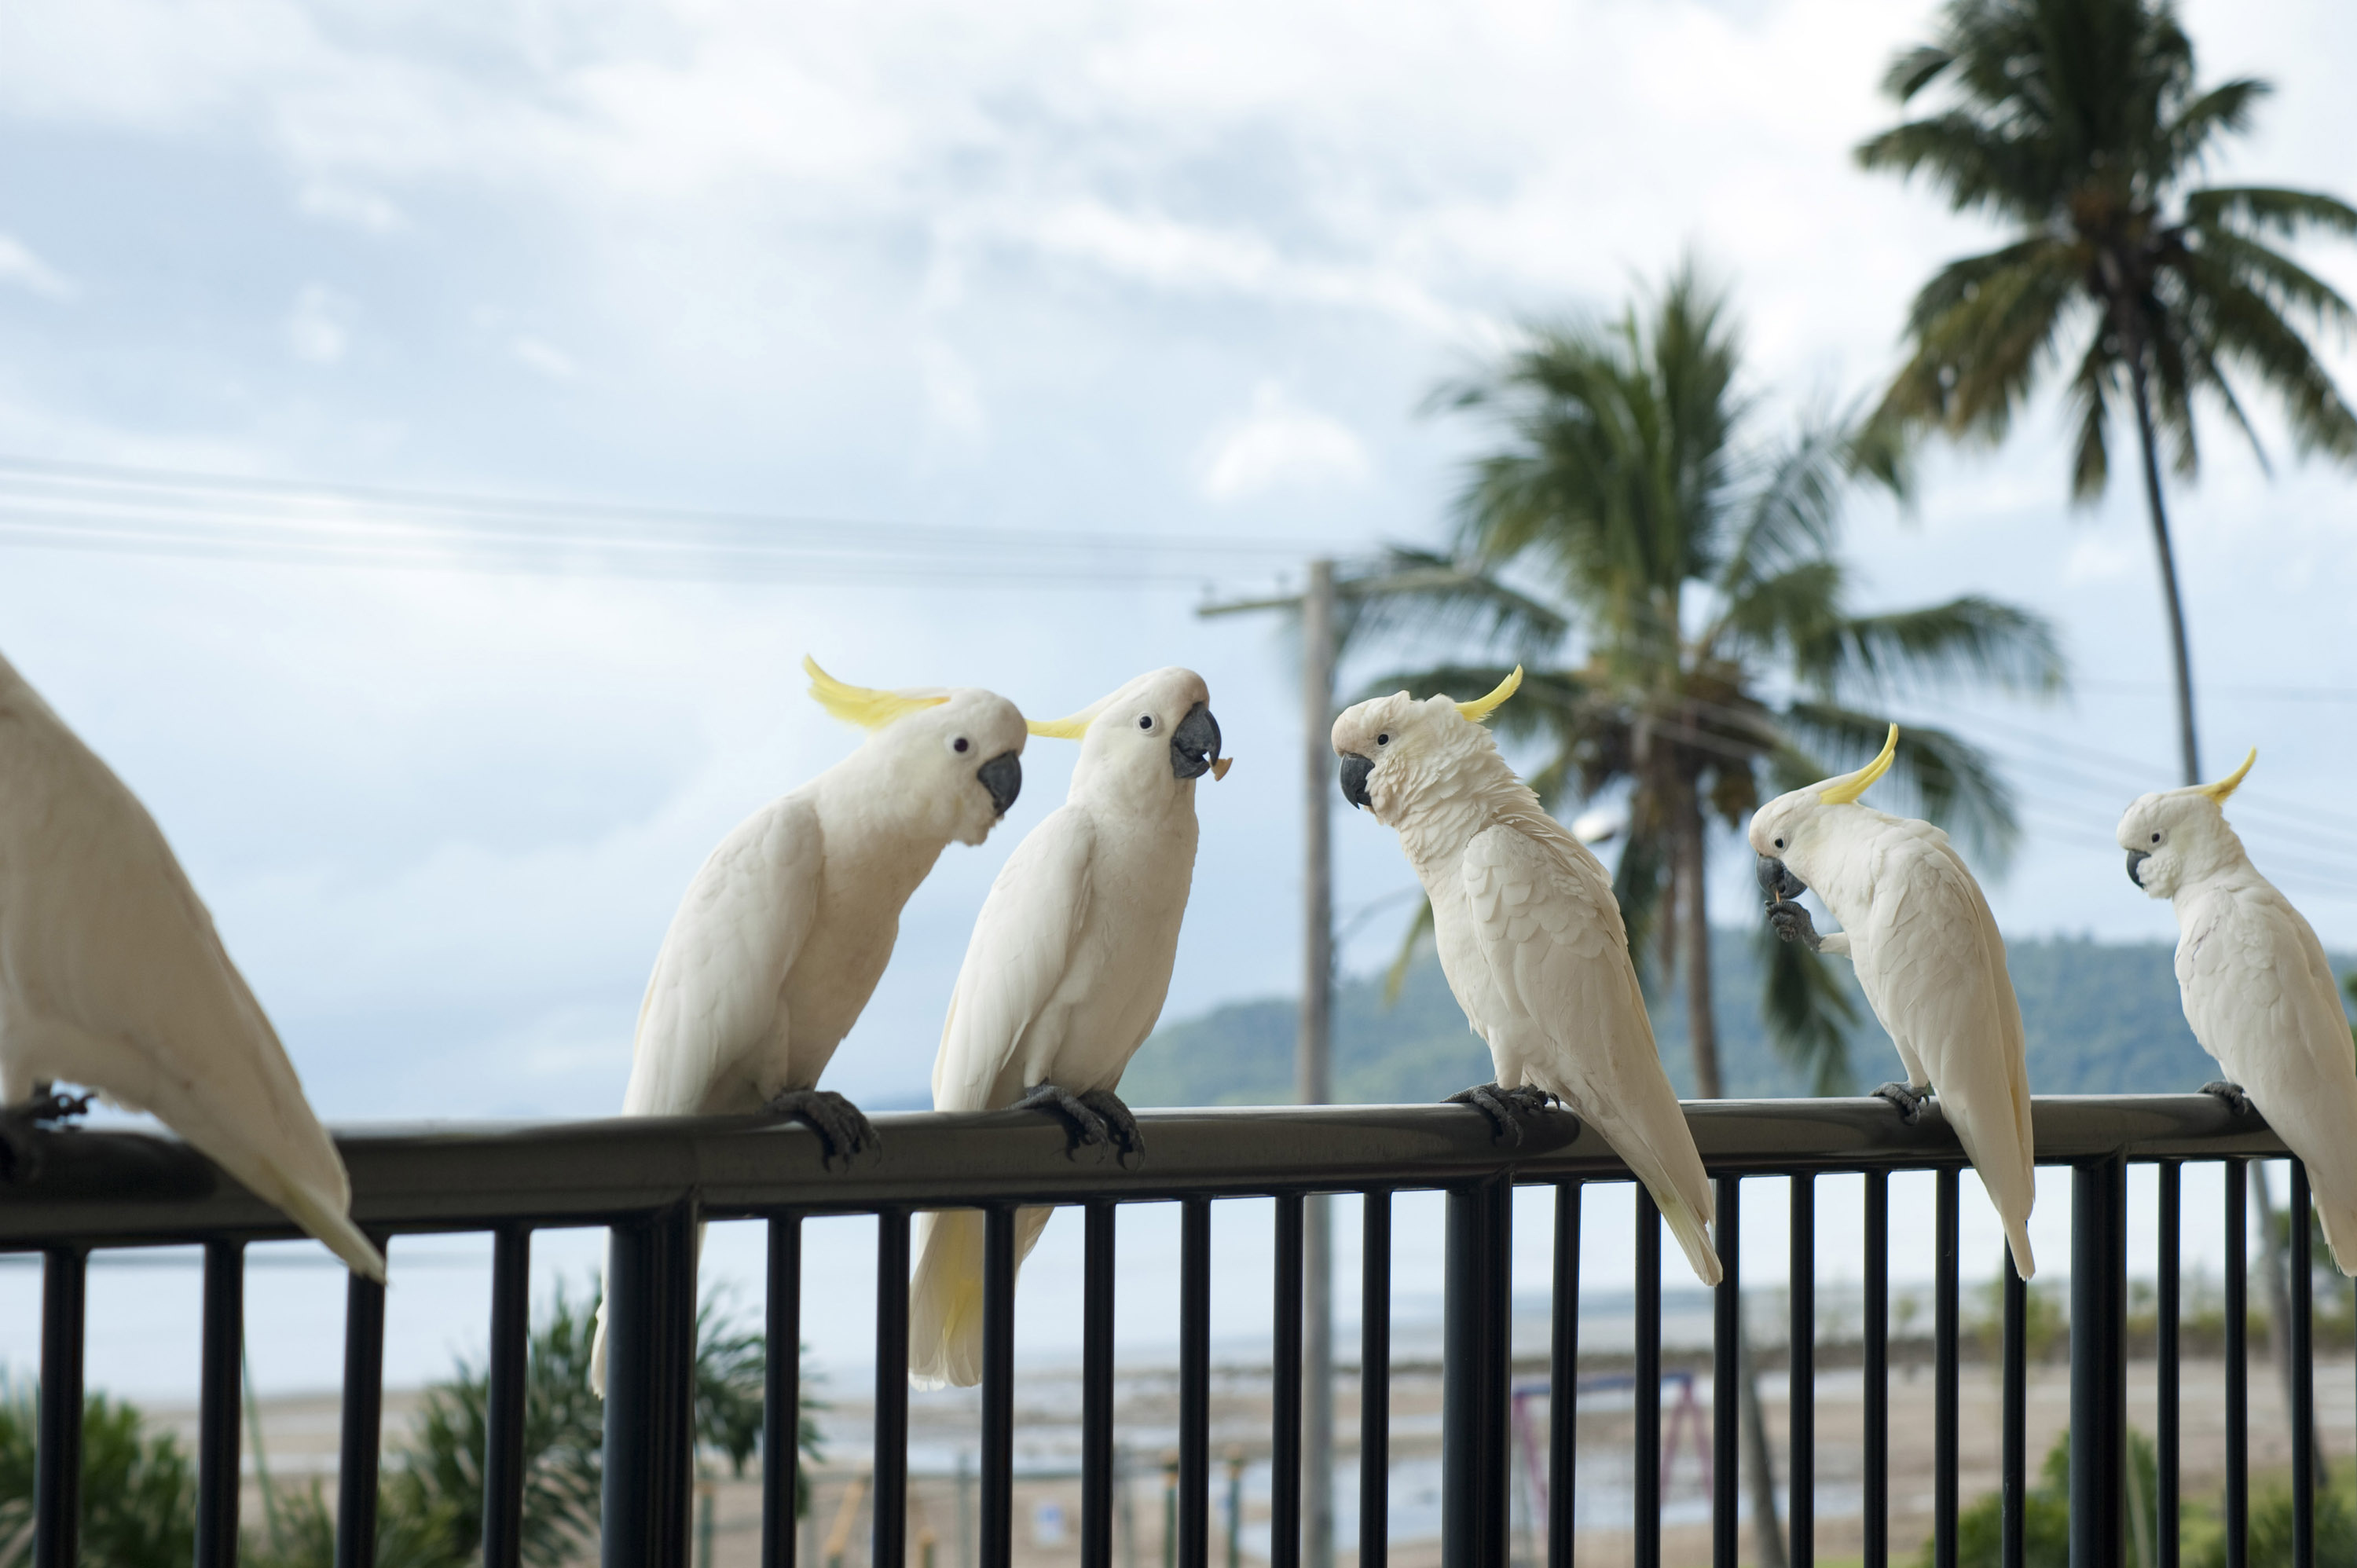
pixel 2136 857
pixel 1003 776
pixel 1776 881
pixel 1355 769
pixel 1195 743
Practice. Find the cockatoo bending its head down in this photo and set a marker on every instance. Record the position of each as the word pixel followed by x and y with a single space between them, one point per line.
pixel 2256 987
pixel 1930 958
pixel 1531 941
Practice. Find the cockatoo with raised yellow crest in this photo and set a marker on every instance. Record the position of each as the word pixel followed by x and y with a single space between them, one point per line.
pixel 785 930
pixel 1531 940
pixel 1930 958
pixel 2256 989
pixel 111 977
pixel 1066 973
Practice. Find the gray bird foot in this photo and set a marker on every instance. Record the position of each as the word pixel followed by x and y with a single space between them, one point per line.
pixel 22 1131
pixel 1792 923
pixel 2231 1093
pixel 843 1134
pixel 1120 1124
pixel 1908 1098
pixel 1083 1123
pixel 1505 1107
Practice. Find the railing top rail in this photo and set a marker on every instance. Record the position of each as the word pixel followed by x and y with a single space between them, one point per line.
pixel 103 1187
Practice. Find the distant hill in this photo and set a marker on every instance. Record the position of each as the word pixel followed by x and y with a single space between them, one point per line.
pixel 2100 1017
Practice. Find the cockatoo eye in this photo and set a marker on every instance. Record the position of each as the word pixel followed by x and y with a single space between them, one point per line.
pixel 2155 838
pixel 1780 844
pixel 1382 740
pixel 1146 721
pixel 961 746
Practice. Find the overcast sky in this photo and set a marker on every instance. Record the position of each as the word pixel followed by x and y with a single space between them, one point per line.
pixel 1157 268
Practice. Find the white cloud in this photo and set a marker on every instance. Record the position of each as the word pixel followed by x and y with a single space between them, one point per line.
pixel 20 266
pixel 1280 445
pixel 348 205
pixel 318 328
pixel 552 362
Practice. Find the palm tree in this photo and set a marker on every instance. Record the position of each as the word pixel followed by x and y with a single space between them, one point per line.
pixel 1712 655
pixel 2080 123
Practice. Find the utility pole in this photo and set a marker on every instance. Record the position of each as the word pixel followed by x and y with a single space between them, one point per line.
pixel 1313 1055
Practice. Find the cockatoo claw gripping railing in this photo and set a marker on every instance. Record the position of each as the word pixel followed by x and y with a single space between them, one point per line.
pixel 653 1180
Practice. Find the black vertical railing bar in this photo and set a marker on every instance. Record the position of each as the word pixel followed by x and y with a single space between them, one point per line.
pixel 997 1386
pixel 649 1387
pixel 1285 1478
pixel 2013 1437
pixel 2238 1367
pixel 1727 1379
pixel 503 1412
pixel 1375 1382
pixel 2299 1342
pixel 1943 1369
pixel 2098 1362
pixel 1563 1382
pixel 1096 1385
pixel 2167 1401
pixel 1649 1381
pixel 1474 1456
pixel 56 1456
pixel 781 1407
pixel 221 1363
pixel 889 1529
pixel 362 1418
pixel 1194 1500
pixel 1801 1421
pixel 1876 1501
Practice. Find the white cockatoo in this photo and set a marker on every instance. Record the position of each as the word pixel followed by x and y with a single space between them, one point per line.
pixel 1531 940
pixel 1930 958
pixel 788 926
pixel 1066 973
pixel 111 977
pixel 2256 988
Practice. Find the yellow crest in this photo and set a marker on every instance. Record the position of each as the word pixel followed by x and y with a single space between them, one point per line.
pixel 1843 791
pixel 1482 707
pixel 2232 782
pixel 863 706
pixel 1071 728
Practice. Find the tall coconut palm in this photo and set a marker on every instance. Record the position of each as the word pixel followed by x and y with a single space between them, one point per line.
pixel 1712 655
pixel 2080 123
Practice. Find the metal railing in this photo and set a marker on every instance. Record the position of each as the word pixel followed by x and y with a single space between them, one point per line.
pixel 653 1180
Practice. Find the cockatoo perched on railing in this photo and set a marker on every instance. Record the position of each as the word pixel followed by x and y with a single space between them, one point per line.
pixel 112 977
pixel 2256 988
pixel 1531 940
pixel 785 930
pixel 1929 958
pixel 1066 974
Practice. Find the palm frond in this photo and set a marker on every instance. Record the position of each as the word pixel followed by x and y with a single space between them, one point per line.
pixel 1808 1013
pixel 1912 71
pixel 1412 942
pixel 2269 207
pixel 1422 593
pixel 1968 640
pixel 2184 141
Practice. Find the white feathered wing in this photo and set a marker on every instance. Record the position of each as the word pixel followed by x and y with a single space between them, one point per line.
pixel 1935 976
pixel 112 976
pixel 1563 1013
pixel 1020 958
pixel 2260 996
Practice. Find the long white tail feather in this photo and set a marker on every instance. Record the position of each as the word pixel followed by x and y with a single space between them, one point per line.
pixel 597 1334
pixel 1692 1233
pixel 945 1294
pixel 328 1221
pixel 2340 1235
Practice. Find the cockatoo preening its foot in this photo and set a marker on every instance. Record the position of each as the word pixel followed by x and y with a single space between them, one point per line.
pixel 789 924
pixel 1929 958
pixel 1505 1107
pixel 112 977
pixel 2257 990
pixel 1531 941
pixel 1066 973
pixel 844 1131
pixel 1907 1098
